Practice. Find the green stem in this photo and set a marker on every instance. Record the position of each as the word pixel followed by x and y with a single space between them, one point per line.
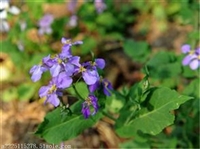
pixel 109 116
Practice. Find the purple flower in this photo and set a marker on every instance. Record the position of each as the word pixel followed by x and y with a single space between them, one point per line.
pixel 185 48
pixel 90 106
pixel 89 70
pixel 193 57
pixel 104 85
pixel 62 63
pixel 100 6
pixel 36 72
pixel 50 92
pixel 72 6
pixel 90 76
pixel 73 21
pixel 98 63
pixel 69 43
pixel 54 89
pixel 45 24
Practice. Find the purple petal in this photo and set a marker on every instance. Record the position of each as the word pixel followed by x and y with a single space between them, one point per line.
pixel 55 70
pixel 69 68
pixel 197 51
pixel 44 91
pixel 194 64
pixel 100 63
pixel 48 30
pixel 187 60
pixel 53 99
pixel 94 101
pixel 77 42
pixel 185 48
pixel 94 87
pixel 100 6
pixel 106 91
pixel 36 73
pixel 65 41
pixel 86 112
pixel 73 22
pixel 75 60
pixel 90 77
pixel 64 81
pixel 48 61
pixel 46 21
pixel 66 51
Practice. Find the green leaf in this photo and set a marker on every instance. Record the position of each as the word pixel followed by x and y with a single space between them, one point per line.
pixel 81 88
pixel 138 51
pixel 106 19
pixel 9 94
pixel 26 91
pixel 134 144
pixel 114 102
pixel 90 44
pixel 55 130
pixel 164 65
pixel 193 89
pixel 154 116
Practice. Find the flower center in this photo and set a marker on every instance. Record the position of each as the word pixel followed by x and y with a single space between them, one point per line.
pixel 82 69
pixel 93 63
pixel 105 83
pixel 59 61
pixel 191 52
pixel 67 41
pixel 52 89
pixel 88 101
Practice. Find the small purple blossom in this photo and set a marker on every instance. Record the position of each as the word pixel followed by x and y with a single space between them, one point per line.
pixel 73 21
pixel 36 72
pixel 193 57
pixel 100 6
pixel 72 6
pixel 90 76
pixel 102 84
pixel 50 92
pixel 90 106
pixel 54 89
pixel 45 24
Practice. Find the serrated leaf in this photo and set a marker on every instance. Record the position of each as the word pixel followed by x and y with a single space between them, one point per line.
pixel 55 130
pixel 154 119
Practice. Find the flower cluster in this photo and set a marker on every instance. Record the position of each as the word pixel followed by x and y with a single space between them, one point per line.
pixel 4 9
pixel 45 24
pixel 63 67
pixel 193 57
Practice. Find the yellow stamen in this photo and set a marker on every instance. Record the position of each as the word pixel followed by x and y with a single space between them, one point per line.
pixel 59 61
pixel 88 101
pixel 52 89
pixel 191 52
pixel 82 69
pixel 67 41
